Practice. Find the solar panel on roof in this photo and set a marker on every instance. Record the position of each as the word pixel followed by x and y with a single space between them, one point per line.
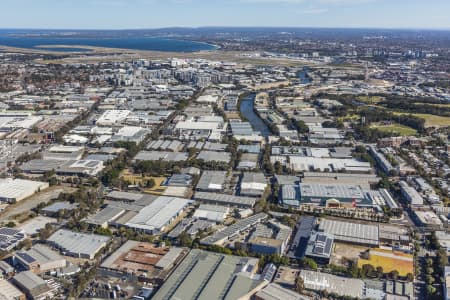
pixel 318 250
pixel 321 238
pixel 25 257
pixel 328 245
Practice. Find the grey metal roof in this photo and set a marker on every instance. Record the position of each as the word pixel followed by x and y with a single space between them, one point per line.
pixel 351 232
pixel 233 229
pixel 29 280
pixel 161 155
pixel 206 275
pixel 214 156
pixel 77 242
pixel 225 199
pixel 212 180
pixel 276 292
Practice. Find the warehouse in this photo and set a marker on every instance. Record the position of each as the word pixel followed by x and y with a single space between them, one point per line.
pixel 13 190
pixel 253 184
pixel 317 281
pixel 113 117
pixel 365 181
pixel 155 217
pixel 207 275
pixel 307 163
pixel 320 247
pixel 161 155
pixel 353 233
pixel 105 216
pixel 60 152
pixel 275 291
pixel 129 197
pixel 215 213
pixel 212 181
pixel 144 259
pixel 130 134
pixel 34 286
pixel 304 229
pixel 166 145
pixel 223 199
pixel 78 244
pixel 248 161
pixel 64 168
pixel 55 208
pixel 40 259
pixel 10 238
pixel 9 291
pixel 228 232
pixel 336 195
pixel 410 194
pixel 213 156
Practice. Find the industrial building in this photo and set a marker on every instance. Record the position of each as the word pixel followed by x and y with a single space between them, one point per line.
pixel 54 208
pixel 335 195
pixel 320 247
pixel 134 134
pixel 271 237
pixel 113 117
pixel 300 164
pixel 207 275
pixel 215 213
pixel 144 259
pixel 228 232
pixel 275 291
pixel 9 291
pixel 318 281
pixel 13 190
pixel 410 194
pixel 80 168
pixel 214 156
pixel 60 152
pixel 78 244
pixel 223 199
pixel 304 228
pixel 212 181
pixel 253 184
pixel 349 232
pixel 40 259
pixel 161 155
pixel 155 217
pixel 34 286
pixel 10 238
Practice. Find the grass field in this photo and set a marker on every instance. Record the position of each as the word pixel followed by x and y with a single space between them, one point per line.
pixel 395 128
pixel 370 99
pixel 431 120
pixel 136 179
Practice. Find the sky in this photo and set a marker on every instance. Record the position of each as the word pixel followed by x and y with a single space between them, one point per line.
pixel 134 14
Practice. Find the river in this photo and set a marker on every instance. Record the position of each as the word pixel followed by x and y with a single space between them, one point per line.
pixel 246 108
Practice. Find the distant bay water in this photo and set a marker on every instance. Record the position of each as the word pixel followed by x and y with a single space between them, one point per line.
pixel 133 43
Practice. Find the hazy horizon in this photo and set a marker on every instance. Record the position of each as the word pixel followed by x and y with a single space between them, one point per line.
pixel 159 14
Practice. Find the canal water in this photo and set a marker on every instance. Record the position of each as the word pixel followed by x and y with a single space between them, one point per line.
pixel 246 108
pixel 303 76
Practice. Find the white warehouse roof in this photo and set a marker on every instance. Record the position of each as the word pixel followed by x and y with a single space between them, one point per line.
pixel 158 214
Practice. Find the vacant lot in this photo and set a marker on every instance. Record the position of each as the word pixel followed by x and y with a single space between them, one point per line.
pixel 136 179
pixel 348 252
pixel 395 128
